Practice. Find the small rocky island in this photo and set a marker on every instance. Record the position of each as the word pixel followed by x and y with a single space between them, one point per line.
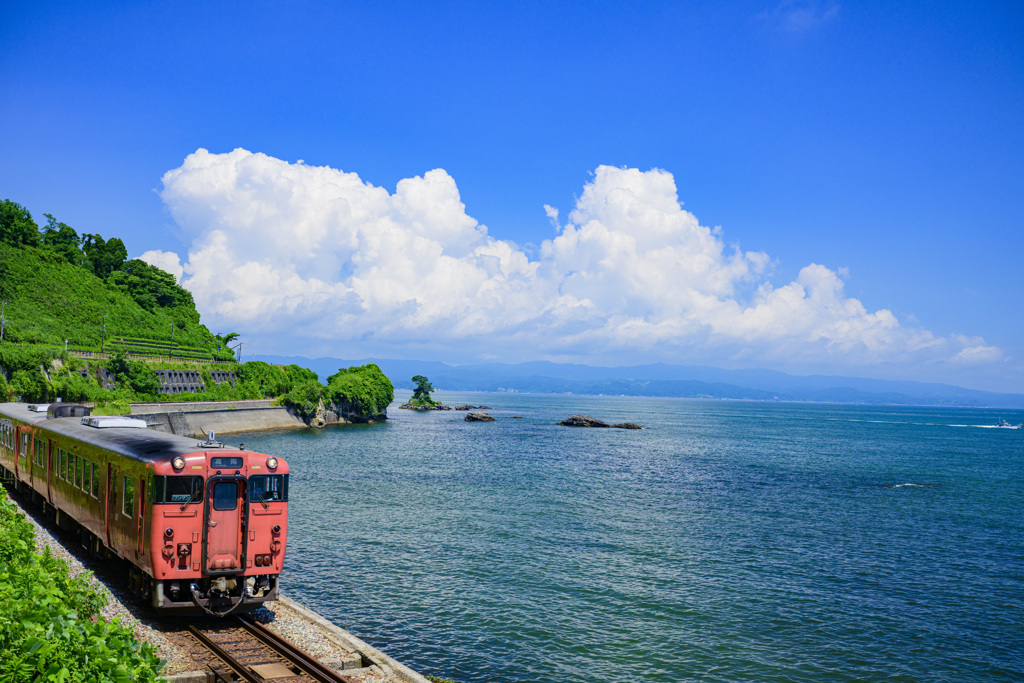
pixel 421 397
pixel 587 421
pixel 478 417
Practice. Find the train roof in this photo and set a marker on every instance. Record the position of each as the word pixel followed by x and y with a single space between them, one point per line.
pixel 144 445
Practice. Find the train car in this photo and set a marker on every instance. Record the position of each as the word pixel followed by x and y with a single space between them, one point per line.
pixel 202 526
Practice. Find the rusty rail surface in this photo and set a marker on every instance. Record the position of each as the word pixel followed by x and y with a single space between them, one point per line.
pixel 251 652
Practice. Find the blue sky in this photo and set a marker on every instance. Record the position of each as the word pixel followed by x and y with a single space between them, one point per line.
pixel 868 153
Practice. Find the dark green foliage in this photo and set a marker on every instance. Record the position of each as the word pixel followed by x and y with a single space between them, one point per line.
pixel 135 376
pixel 71 386
pixel 106 256
pixel 150 287
pixel 62 240
pixel 364 388
pixel 421 394
pixel 361 391
pixel 50 300
pixel 51 628
pixel 265 379
pixel 16 225
pixel 31 385
pixel 304 398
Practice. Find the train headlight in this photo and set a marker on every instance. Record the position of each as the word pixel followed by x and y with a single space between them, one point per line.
pixel 178 463
pixel 272 463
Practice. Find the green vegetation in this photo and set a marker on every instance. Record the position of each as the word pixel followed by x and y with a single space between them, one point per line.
pixel 436 679
pixel 421 394
pixel 81 289
pixel 355 391
pixel 63 288
pixel 51 628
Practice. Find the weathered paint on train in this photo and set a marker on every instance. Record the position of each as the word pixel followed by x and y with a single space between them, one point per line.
pixel 220 546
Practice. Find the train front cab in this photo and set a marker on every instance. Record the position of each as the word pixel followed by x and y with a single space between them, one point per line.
pixel 220 524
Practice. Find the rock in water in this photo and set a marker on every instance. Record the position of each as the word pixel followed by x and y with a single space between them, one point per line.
pixel 627 425
pixel 478 417
pixel 583 421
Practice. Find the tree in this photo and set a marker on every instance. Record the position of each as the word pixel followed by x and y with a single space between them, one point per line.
pixel 421 394
pixel 106 256
pixel 134 375
pixel 150 286
pixel 62 239
pixel 16 225
pixel 364 390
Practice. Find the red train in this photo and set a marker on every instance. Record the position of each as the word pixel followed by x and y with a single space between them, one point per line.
pixel 202 526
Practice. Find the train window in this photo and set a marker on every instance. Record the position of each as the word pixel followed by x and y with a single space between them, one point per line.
pixel 272 488
pixel 225 495
pixel 95 480
pixel 177 489
pixel 129 496
pixel 86 474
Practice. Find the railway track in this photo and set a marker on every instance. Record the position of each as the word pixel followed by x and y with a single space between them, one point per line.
pixel 245 650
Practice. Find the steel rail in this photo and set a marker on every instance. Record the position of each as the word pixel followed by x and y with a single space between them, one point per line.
pixel 240 670
pixel 309 665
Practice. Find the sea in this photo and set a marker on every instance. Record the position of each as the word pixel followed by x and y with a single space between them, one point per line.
pixel 726 541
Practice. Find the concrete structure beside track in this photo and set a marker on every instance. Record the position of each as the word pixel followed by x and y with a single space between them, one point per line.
pixel 198 419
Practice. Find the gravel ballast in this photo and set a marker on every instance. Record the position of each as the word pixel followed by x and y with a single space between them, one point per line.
pixel 303 627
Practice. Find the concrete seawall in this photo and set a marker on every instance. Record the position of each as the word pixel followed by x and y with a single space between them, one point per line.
pixel 199 419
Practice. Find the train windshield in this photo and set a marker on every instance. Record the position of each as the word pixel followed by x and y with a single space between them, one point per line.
pixel 271 488
pixel 177 489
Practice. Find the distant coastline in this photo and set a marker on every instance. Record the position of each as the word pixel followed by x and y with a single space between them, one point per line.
pixel 672 381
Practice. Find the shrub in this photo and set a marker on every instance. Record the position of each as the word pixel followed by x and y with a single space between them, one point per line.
pixel 51 628
pixel 304 398
pixel 134 375
pixel 364 388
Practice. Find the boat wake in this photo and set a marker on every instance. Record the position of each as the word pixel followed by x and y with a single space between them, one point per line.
pixel 908 485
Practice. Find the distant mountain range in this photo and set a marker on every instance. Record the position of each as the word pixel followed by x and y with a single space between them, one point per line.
pixel 660 379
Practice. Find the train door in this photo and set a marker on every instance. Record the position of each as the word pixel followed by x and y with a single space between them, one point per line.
pixel 140 525
pixel 111 500
pixel 50 451
pixel 21 452
pixel 224 532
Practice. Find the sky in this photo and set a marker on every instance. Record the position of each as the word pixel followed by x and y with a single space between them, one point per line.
pixel 812 187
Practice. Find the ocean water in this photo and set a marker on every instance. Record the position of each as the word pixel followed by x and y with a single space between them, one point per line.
pixel 728 541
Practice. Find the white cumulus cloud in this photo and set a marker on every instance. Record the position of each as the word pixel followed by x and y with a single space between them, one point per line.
pixel 166 261
pixel 315 260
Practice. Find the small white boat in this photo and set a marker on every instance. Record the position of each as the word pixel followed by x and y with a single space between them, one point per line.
pixel 1003 424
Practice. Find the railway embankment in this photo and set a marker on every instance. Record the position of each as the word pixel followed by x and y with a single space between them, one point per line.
pixel 322 639
pixel 196 419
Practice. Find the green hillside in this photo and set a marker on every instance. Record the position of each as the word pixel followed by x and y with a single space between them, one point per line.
pixel 61 290
pixel 80 292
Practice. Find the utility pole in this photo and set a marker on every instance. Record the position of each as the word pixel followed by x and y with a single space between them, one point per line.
pixel 103 338
pixel 172 340
pixel 3 321
pixel 238 350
